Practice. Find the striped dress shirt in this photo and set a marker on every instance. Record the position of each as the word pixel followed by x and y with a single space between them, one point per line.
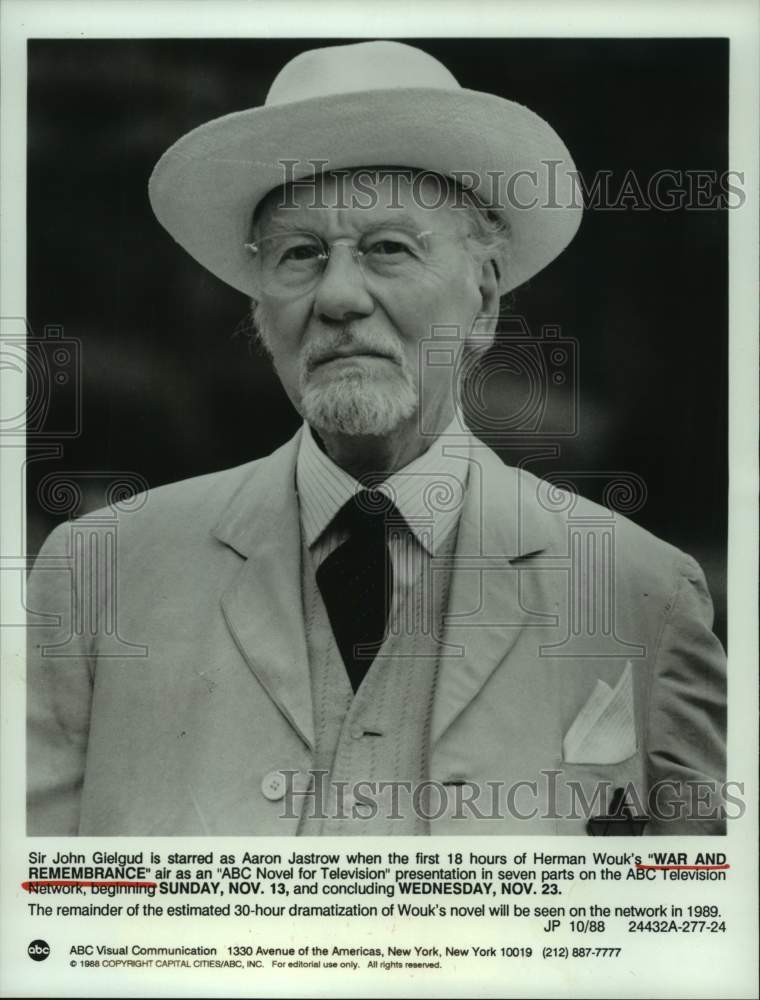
pixel 429 493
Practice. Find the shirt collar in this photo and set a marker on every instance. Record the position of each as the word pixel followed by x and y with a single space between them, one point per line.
pixel 429 492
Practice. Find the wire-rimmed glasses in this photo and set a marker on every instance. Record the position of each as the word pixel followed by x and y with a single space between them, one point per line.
pixel 292 262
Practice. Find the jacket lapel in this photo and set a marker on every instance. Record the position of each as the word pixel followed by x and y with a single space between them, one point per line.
pixel 500 530
pixel 263 606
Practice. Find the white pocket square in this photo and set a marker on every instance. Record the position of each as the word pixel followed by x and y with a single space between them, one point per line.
pixel 604 731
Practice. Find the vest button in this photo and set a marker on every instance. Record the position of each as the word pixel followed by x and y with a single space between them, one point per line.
pixel 357 732
pixel 273 785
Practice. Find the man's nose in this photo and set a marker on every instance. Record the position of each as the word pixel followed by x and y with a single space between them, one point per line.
pixel 342 292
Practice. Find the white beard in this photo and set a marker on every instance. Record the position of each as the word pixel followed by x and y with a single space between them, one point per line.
pixel 355 404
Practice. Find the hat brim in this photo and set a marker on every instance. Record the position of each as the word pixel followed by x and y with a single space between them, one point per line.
pixel 205 187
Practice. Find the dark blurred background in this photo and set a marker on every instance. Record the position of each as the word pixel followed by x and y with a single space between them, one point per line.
pixel 171 385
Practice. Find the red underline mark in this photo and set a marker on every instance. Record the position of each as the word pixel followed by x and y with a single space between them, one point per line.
pixel 692 868
pixel 31 886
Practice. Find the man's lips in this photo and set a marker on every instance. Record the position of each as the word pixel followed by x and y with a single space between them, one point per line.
pixel 349 355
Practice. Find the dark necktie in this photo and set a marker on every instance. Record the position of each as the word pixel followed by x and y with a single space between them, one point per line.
pixel 356 580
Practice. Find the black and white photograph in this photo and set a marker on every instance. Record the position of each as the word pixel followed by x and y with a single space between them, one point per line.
pixel 416 469
pixel 379 463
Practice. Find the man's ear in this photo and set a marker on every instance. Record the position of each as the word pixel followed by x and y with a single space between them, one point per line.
pixel 484 326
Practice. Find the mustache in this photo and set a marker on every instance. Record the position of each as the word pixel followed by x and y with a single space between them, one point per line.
pixel 326 348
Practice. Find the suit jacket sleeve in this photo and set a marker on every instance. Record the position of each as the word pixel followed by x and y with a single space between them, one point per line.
pixel 687 714
pixel 59 692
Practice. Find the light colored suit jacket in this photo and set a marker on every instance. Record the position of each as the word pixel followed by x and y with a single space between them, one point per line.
pixel 169 684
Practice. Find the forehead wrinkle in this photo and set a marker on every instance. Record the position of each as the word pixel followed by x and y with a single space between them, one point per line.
pixel 334 220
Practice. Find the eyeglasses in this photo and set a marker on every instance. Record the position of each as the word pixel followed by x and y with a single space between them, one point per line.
pixel 291 263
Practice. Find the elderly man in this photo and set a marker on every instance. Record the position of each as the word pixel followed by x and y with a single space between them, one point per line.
pixel 377 628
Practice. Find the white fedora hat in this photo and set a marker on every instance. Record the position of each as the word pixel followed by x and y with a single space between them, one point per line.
pixel 367 104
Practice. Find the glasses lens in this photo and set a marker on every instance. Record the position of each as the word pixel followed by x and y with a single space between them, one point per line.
pixel 289 261
pixel 390 253
pixel 292 263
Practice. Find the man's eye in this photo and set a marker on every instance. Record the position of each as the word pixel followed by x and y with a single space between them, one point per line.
pixel 299 252
pixel 388 248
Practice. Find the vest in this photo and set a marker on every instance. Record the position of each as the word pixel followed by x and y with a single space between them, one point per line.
pixel 381 734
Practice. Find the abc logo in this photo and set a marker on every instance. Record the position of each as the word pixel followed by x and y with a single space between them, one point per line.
pixel 38 950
